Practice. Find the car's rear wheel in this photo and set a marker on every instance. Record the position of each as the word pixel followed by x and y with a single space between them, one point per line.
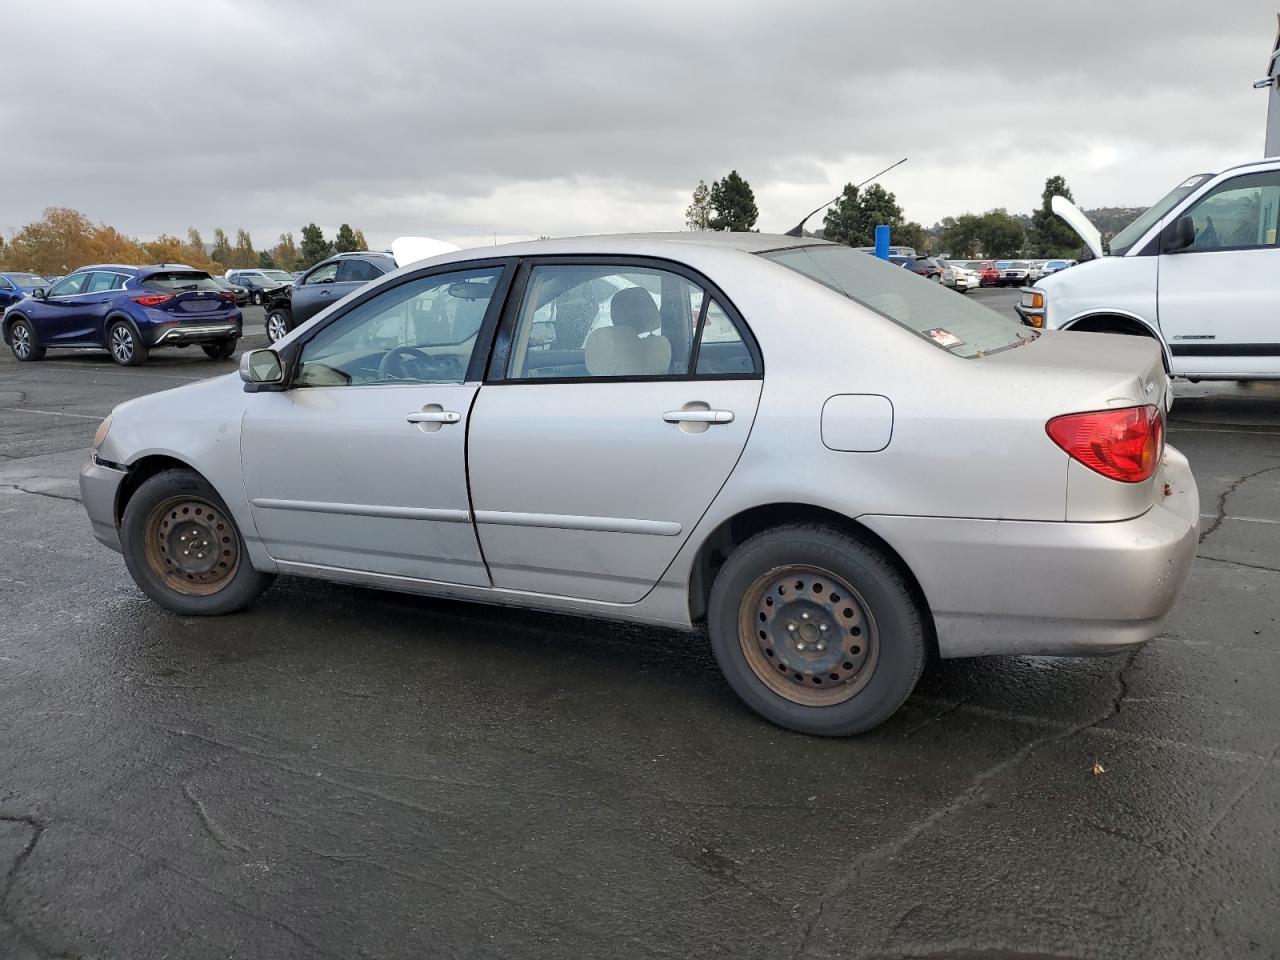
pixel 125 347
pixel 220 351
pixel 278 324
pixel 22 341
pixel 816 631
pixel 183 548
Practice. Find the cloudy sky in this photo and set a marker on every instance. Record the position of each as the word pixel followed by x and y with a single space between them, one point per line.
pixel 513 118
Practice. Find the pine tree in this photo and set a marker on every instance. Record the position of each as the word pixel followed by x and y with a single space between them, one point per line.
pixel 698 214
pixel 314 246
pixel 733 203
pixel 1050 235
pixel 344 240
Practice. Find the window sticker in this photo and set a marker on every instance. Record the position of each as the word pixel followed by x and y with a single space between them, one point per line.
pixel 943 337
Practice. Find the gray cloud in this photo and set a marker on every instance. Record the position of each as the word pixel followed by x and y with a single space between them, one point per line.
pixel 469 120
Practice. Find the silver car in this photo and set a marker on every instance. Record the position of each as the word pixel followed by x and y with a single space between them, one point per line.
pixel 839 467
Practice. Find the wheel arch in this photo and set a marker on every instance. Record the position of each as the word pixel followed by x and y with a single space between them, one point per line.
pixel 1120 322
pixel 114 314
pixel 717 545
pixel 142 470
pixel 12 316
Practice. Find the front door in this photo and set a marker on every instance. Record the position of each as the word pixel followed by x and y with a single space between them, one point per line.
pixel 58 318
pixel 603 434
pixel 1219 299
pixel 361 463
pixel 314 292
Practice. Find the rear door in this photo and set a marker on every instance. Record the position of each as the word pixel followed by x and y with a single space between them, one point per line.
pixel 607 425
pixel 1219 299
pixel 361 464
pixel 99 296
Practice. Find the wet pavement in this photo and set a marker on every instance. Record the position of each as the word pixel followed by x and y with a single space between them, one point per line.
pixel 345 773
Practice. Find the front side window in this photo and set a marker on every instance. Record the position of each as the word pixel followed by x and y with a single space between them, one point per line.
pixel 422 331
pixel 589 321
pixel 69 286
pixel 1238 214
pixel 929 310
pixel 322 274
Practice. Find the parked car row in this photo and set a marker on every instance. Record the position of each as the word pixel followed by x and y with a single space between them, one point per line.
pixel 259 281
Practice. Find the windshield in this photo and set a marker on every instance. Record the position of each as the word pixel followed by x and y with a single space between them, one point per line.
pixel 929 310
pixel 277 275
pixel 1130 235
pixel 27 281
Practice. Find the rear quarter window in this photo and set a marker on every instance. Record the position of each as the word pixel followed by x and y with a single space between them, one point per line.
pixel 945 318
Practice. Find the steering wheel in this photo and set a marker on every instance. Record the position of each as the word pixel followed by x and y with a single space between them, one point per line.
pixel 392 363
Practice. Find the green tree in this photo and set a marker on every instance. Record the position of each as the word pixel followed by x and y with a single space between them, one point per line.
pixel 265 260
pixel 698 214
pixel 285 253
pixel 344 241
pixel 961 236
pixel 221 251
pixel 1050 236
pixel 1000 234
pixel 733 203
pixel 314 247
pixel 853 218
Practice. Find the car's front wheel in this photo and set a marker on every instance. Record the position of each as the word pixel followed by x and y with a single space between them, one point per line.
pixel 220 351
pixel 125 347
pixel 184 550
pixel 816 631
pixel 22 341
pixel 278 324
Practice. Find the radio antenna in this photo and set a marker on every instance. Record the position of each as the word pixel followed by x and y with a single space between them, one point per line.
pixel 798 229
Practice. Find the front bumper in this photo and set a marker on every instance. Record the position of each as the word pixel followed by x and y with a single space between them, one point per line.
pixel 1052 589
pixel 1030 318
pixel 99 491
pixel 177 333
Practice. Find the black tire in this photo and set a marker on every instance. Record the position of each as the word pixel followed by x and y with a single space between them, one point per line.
pixel 221 351
pixel 151 541
pixel 257 298
pixel 124 344
pixel 279 322
pixel 23 342
pixel 879 651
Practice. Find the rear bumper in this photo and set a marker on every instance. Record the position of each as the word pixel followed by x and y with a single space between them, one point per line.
pixel 1067 589
pixel 99 489
pixel 176 333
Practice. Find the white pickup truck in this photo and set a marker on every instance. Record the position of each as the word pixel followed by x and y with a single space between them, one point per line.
pixel 1199 272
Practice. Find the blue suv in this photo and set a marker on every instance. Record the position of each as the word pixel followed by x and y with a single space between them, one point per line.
pixel 15 286
pixel 128 311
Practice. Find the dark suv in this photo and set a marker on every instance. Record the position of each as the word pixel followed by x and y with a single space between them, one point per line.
pixel 128 311
pixel 323 285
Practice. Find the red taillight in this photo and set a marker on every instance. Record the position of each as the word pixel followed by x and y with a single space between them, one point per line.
pixel 229 297
pixel 153 299
pixel 1125 444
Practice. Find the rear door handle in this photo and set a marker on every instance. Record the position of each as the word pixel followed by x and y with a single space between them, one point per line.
pixel 433 416
pixel 698 416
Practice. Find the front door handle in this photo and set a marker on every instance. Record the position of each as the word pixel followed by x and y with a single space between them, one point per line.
pixel 698 416
pixel 326 293
pixel 433 416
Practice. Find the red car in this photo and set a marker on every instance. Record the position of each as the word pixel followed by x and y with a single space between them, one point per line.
pixel 989 275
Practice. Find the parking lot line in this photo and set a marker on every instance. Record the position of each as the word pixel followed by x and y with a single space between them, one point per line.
pixel 59 413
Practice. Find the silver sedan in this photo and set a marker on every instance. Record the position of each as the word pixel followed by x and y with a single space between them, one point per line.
pixel 839 467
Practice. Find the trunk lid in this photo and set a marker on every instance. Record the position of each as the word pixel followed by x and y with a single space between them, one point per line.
pixel 1078 222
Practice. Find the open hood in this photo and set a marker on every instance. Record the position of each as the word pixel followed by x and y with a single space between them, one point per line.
pixel 1078 222
pixel 412 249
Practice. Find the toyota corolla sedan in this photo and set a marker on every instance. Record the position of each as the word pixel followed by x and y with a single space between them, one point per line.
pixel 840 470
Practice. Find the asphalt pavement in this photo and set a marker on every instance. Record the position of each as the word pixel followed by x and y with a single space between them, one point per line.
pixel 345 773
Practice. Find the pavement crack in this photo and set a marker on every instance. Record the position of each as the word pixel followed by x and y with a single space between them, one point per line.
pixel 1238 563
pixel 1226 495
pixel 39 493
pixel 946 711
pixel 211 827
pixel 10 878
pixel 1240 794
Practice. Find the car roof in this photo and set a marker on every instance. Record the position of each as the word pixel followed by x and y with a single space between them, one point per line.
pixel 641 244
pixel 136 270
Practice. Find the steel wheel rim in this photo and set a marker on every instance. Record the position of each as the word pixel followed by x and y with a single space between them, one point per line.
pixel 21 341
pixel 275 327
pixel 801 643
pixel 192 546
pixel 122 344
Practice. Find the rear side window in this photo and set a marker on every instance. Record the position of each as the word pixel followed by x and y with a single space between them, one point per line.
pixel 180 280
pixel 929 310
pixel 101 282
pixel 357 271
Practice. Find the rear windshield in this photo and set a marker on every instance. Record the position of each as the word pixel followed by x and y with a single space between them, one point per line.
pixel 180 280
pixel 945 318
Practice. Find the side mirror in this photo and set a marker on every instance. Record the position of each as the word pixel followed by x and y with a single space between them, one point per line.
pixel 261 370
pixel 40 293
pixel 1182 236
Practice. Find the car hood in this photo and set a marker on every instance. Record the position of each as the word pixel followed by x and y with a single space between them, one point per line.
pixel 1081 224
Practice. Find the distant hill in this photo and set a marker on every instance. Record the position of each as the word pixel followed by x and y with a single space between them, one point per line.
pixel 1111 220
